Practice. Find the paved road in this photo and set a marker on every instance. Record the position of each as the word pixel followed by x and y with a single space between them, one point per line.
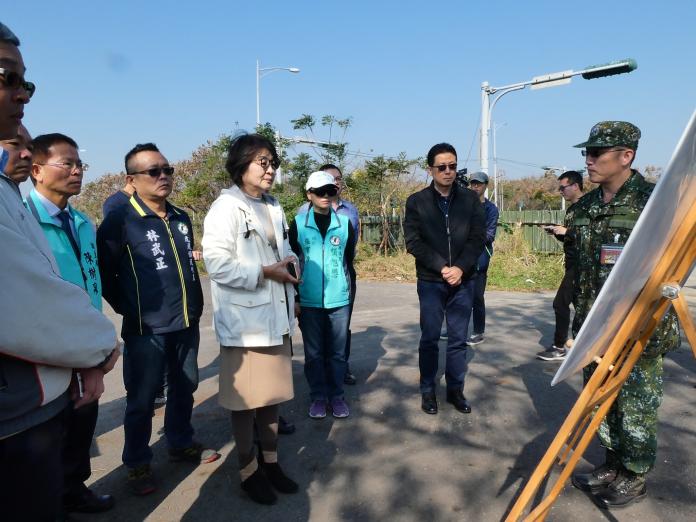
pixel 389 461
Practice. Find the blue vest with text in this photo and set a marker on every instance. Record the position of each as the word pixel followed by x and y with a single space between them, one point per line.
pixel 83 272
pixel 325 280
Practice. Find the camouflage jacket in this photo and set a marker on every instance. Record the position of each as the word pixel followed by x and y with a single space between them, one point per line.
pixel 597 224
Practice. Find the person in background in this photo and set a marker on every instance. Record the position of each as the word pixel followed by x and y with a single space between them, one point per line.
pixel 325 242
pixel 570 187
pixel 345 208
pixel 248 258
pixel 479 184
pixel 18 149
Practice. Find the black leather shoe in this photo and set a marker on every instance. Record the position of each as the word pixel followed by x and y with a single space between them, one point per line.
pixel 596 479
pixel 285 427
pixel 429 403
pixel 349 379
pixel 87 501
pixel 628 487
pixel 457 399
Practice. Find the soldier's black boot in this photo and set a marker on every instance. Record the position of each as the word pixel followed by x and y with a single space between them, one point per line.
pixel 628 487
pixel 599 477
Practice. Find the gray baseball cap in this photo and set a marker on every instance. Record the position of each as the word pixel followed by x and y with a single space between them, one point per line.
pixel 481 177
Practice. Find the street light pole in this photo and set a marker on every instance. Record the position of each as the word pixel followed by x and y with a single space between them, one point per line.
pixel 539 82
pixel 495 165
pixel 260 73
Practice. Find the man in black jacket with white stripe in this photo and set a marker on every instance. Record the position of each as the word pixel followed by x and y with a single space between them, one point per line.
pixel 445 230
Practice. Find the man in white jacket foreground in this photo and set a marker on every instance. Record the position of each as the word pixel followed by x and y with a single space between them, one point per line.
pixel 48 330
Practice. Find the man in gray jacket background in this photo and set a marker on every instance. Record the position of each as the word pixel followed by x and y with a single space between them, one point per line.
pixel 48 328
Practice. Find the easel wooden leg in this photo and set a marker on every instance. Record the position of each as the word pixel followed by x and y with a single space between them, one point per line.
pixel 687 323
pixel 613 369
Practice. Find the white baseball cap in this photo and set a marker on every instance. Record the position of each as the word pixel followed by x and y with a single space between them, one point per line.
pixel 319 179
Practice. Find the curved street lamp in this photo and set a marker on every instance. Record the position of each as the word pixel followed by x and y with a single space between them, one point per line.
pixel 260 73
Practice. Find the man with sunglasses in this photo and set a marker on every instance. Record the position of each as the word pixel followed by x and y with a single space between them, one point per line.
pixel 445 230
pixel 49 328
pixel 56 174
pixel 149 277
pixel 570 187
pixel 603 220
pixel 479 184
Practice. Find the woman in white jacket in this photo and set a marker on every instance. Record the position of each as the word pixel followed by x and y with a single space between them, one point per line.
pixel 246 253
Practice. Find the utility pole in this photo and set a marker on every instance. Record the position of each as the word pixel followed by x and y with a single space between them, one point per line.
pixel 539 82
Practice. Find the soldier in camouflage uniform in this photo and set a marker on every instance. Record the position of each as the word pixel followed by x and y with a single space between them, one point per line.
pixel 604 219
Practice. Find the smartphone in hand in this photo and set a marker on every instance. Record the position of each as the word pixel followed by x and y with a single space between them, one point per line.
pixel 293 269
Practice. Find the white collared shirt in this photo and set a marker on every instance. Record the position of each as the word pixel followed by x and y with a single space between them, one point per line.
pixel 53 211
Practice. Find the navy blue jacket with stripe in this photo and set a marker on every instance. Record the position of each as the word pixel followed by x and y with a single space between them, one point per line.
pixel 147 268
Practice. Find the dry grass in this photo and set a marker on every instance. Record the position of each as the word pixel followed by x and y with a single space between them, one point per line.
pixel 398 267
pixel 514 266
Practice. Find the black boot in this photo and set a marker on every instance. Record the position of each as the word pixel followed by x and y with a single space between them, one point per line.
pixel 259 488
pixel 628 487
pixel 279 479
pixel 599 477
pixel 285 427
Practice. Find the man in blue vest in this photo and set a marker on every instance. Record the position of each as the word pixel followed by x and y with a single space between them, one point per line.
pixel 56 173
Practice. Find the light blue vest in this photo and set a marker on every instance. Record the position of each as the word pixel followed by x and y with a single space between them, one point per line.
pixel 84 273
pixel 325 280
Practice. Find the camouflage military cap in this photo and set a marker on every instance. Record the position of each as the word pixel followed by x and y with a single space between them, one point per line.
pixel 612 134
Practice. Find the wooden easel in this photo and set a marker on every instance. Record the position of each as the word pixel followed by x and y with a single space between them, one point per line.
pixel 660 291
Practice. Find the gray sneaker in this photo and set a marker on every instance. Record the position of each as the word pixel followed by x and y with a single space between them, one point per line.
pixel 475 339
pixel 554 353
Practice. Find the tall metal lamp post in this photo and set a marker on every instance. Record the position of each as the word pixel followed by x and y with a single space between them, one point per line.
pixel 260 73
pixel 539 82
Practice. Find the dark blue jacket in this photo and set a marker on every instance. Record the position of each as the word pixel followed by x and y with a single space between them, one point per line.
pixel 491 226
pixel 147 268
pixel 114 201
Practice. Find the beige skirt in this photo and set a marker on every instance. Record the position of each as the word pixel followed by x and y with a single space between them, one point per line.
pixel 255 377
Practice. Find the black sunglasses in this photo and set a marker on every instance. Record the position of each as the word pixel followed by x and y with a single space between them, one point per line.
pixel 15 81
pixel 156 171
pixel 443 168
pixel 597 152
pixel 329 191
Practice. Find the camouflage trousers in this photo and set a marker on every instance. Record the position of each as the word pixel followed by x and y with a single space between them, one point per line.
pixel 630 427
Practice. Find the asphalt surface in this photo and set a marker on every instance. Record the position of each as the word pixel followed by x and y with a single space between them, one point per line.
pixel 390 461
